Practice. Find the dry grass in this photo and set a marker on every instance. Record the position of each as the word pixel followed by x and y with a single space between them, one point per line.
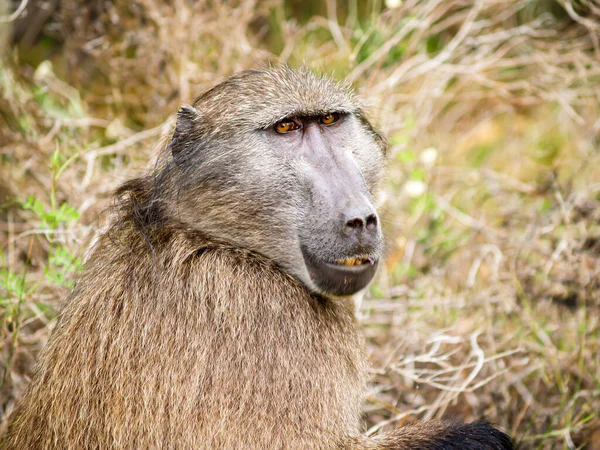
pixel 489 304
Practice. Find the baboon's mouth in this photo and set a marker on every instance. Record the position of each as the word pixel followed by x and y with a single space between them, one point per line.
pixel 358 261
pixel 340 277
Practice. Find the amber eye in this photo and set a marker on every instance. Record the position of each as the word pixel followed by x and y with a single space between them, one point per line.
pixel 329 119
pixel 285 126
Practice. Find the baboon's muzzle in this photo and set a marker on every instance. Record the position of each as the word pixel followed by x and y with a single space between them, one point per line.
pixel 342 248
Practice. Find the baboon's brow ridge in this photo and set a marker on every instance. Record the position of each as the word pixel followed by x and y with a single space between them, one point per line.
pixel 301 92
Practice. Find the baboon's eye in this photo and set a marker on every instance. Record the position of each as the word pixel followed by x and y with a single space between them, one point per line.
pixel 329 119
pixel 285 126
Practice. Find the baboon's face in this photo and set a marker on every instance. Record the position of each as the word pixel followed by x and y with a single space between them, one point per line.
pixel 283 163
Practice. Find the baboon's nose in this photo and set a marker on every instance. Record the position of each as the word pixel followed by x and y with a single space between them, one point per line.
pixel 360 224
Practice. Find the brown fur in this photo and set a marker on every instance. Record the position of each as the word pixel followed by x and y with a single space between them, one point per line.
pixel 176 339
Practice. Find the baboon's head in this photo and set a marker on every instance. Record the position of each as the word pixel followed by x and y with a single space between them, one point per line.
pixel 284 163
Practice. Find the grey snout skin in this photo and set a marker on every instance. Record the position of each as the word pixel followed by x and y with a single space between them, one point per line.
pixel 349 209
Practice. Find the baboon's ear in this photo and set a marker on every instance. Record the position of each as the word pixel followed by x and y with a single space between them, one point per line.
pixel 188 119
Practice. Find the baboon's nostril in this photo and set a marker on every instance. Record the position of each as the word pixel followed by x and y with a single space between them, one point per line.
pixel 355 224
pixel 371 222
pixel 359 225
pixel 360 221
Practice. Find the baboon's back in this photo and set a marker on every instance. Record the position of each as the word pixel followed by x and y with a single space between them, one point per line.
pixel 189 349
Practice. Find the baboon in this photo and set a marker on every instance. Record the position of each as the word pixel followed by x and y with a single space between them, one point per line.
pixel 216 312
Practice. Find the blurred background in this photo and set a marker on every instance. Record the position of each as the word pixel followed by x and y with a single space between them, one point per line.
pixel 489 302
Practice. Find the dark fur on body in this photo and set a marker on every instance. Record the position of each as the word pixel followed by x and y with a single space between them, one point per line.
pixel 188 331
